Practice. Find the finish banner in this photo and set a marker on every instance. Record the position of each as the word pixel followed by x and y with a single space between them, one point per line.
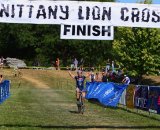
pixel 80 12
pixel 108 94
pixel 87 32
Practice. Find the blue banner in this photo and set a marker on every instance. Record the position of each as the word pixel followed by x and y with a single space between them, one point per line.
pixel 108 94
pixel 4 90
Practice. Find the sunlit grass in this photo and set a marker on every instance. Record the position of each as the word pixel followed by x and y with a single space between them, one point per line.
pixel 30 107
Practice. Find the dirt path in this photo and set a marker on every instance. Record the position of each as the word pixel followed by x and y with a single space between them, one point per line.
pixel 36 82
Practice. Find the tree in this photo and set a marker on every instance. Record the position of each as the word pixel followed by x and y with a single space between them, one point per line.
pixel 138 49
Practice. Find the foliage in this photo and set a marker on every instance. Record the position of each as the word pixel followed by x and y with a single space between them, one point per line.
pixel 138 49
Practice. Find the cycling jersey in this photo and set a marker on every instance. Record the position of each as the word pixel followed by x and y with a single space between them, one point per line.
pixel 80 82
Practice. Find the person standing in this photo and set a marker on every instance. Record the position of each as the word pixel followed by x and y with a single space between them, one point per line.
pixel 76 64
pixel 97 77
pixel 57 64
pixel 92 77
pixel 126 80
pixel 72 64
pixel 107 66
pixel 112 66
pixel 1 78
pixel 104 77
pixel 1 62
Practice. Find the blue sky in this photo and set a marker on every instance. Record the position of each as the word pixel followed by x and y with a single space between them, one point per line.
pixel 134 1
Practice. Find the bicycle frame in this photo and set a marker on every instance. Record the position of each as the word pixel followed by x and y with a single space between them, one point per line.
pixel 81 103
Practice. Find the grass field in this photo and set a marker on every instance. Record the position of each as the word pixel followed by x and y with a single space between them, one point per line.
pixel 45 99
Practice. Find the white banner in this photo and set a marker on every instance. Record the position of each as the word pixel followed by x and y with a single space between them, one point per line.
pixel 87 32
pixel 76 12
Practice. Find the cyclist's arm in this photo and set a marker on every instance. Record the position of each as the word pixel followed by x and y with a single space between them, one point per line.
pixel 71 74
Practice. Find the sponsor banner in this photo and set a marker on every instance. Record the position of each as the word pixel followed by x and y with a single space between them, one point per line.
pixel 80 12
pixel 108 94
pixel 122 100
pixel 4 90
pixel 130 96
pixel 141 97
pixel 87 32
pixel 153 103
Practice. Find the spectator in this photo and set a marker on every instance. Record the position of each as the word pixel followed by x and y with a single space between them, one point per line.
pixel 112 66
pixel 1 62
pixel 76 64
pixel 107 66
pixel 97 78
pixel 72 65
pixel 57 64
pixel 104 77
pixel 92 77
pixel 1 78
pixel 126 80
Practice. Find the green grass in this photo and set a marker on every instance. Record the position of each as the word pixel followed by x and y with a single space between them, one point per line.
pixel 30 108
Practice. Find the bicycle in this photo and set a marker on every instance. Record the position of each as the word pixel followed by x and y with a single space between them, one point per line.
pixel 80 104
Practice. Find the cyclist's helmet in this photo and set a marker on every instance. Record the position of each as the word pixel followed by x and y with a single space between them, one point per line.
pixel 79 72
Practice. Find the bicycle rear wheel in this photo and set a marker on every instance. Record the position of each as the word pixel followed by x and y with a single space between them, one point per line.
pixel 80 105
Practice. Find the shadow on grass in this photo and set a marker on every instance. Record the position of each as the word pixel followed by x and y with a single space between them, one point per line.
pixel 74 112
pixel 94 101
pixel 140 114
pixel 79 127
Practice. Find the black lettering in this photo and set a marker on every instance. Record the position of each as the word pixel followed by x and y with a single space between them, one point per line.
pixel 4 10
pixel 89 30
pixel 106 13
pixel 87 13
pixel 156 17
pixel 13 11
pixel 123 11
pixel 96 30
pixel 66 12
pixel 106 29
pixel 96 17
pixel 66 29
pixel 73 30
pixel 41 12
pixel 80 13
pixel 135 15
pixel 52 12
pixel 81 30
pixel 30 10
pixel 20 10
pixel 145 15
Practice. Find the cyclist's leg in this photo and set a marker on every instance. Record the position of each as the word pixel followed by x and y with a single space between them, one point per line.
pixel 77 93
pixel 83 95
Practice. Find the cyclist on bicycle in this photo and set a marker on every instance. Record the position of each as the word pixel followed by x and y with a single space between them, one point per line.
pixel 79 84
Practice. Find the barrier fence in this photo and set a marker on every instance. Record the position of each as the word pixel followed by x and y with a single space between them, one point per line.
pixel 142 97
pixel 4 90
